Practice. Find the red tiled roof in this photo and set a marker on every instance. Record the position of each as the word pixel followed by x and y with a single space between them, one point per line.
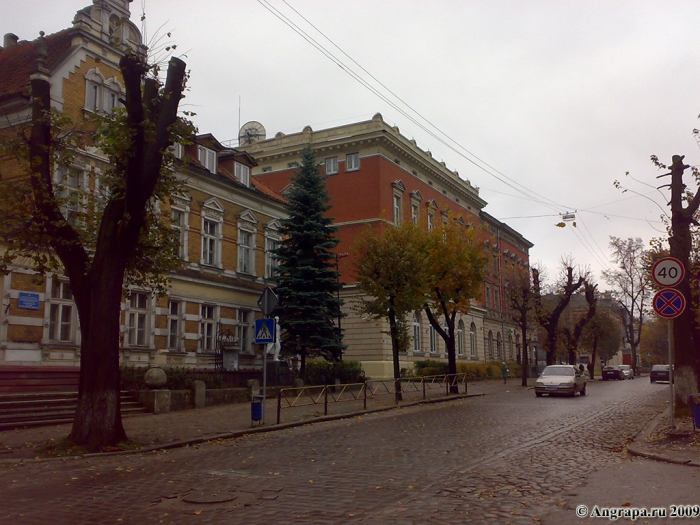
pixel 266 190
pixel 17 62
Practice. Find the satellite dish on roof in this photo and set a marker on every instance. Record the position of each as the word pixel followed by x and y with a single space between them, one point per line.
pixel 251 132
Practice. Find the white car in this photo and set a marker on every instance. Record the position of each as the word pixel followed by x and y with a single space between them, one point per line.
pixel 627 370
pixel 561 379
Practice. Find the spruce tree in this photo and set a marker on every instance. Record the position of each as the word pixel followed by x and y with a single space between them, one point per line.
pixel 307 282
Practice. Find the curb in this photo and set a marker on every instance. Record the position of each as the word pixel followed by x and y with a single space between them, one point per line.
pixel 635 449
pixel 238 433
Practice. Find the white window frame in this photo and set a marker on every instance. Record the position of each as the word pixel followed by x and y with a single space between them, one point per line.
pixel 180 204
pixel 433 339
pixel 460 338
pixel 175 311
pixel 242 173
pixel 137 319
pixel 472 340
pixel 246 251
pixel 207 327
pixel 111 92
pixel 207 157
pixel 62 312
pixel 271 262
pixel 247 242
pixel 398 208
pixel 94 91
pixel 178 150
pixel 331 165
pixel 212 240
pixel 352 162
pixel 177 218
pixel 509 345
pixel 71 184
pixel 417 332
pixel 415 212
pixel 210 252
pixel 243 330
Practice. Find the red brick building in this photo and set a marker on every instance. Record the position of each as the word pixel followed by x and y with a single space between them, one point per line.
pixel 376 175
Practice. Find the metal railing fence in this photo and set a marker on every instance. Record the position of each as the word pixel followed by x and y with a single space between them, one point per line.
pixel 403 389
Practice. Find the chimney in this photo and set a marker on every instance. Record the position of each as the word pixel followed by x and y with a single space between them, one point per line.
pixel 10 40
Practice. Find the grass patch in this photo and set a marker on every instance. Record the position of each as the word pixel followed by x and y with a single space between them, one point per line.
pixel 66 448
pixel 59 449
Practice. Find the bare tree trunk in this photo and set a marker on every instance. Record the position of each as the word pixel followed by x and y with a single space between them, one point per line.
pixel 394 332
pixel 591 365
pixel 97 422
pixel 525 361
pixel 685 330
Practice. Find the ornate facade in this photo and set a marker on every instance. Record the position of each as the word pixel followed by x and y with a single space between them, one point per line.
pixel 227 220
pixel 374 174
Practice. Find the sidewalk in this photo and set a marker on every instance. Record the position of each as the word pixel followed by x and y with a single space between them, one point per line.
pixel 176 429
pixel 673 445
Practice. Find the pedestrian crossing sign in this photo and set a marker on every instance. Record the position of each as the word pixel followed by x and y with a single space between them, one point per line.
pixel 264 331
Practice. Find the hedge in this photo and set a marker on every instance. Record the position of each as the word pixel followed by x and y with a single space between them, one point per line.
pixel 326 372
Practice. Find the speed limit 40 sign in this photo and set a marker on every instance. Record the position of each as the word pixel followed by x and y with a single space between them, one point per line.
pixel 668 272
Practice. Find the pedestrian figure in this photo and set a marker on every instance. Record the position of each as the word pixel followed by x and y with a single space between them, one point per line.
pixel 504 371
pixel 581 368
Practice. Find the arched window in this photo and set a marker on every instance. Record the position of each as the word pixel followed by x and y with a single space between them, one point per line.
pixel 416 332
pixel 112 92
pixel 472 339
pixel 509 342
pixel 489 344
pixel 498 345
pixel 460 338
pixel 94 83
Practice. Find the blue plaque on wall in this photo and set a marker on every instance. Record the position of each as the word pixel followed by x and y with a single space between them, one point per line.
pixel 28 300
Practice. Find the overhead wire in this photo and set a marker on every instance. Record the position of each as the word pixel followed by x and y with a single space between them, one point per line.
pixel 453 145
pixel 544 201
pixel 431 124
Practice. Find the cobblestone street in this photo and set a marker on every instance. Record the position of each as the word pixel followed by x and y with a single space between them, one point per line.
pixel 496 459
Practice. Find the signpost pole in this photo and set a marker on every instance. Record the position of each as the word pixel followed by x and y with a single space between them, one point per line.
pixel 264 397
pixel 670 367
pixel 267 303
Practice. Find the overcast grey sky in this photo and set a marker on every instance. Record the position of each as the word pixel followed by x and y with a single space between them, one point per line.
pixel 556 99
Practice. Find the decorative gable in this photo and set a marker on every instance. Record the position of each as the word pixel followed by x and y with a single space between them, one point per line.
pixel 247 220
pixel 398 184
pixel 211 209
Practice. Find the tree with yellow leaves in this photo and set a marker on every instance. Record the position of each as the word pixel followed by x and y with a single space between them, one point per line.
pixel 456 263
pixel 391 271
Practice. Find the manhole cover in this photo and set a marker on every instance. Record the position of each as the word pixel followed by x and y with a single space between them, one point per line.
pixel 208 497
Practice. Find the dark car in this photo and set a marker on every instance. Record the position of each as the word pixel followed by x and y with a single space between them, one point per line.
pixel 613 372
pixel 659 373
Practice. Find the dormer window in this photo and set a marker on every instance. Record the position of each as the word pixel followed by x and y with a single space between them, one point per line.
pixel 207 157
pixel 243 174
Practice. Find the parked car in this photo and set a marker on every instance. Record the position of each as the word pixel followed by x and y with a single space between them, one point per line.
pixel 560 379
pixel 627 370
pixel 659 373
pixel 612 372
